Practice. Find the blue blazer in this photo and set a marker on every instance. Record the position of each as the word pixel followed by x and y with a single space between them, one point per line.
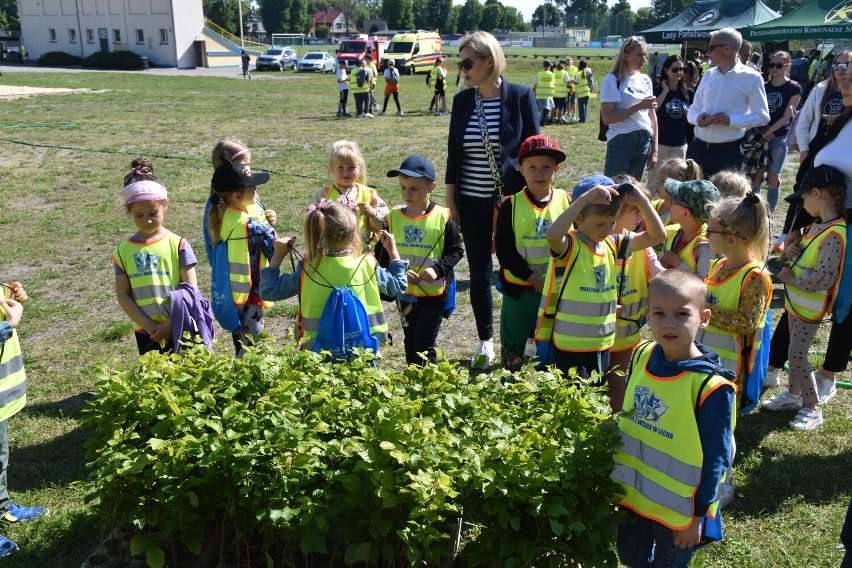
pixel 519 119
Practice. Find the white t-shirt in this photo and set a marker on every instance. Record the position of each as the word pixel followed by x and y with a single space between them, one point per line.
pixel 390 72
pixel 633 89
pixel 836 153
pixel 341 75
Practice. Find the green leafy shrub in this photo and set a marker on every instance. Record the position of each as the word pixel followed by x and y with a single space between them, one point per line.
pixel 57 59
pixel 353 463
pixel 117 60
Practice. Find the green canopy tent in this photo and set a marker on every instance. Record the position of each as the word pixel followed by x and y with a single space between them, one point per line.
pixel 701 18
pixel 818 19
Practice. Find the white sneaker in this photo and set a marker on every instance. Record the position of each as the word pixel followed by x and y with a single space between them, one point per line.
pixel 783 401
pixel 826 388
pixel 530 349
pixel 484 355
pixel 368 115
pixel 807 419
pixel 400 113
pixel 771 379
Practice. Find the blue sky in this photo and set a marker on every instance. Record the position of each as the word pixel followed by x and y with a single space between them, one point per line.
pixel 527 7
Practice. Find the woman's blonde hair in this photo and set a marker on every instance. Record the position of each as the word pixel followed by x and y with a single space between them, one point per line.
pixel 831 84
pixel 747 218
pixel 348 152
pixel 483 45
pixel 331 228
pixel 236 151
pixel 620 67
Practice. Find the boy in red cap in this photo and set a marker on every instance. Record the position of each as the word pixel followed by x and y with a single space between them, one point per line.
pixel 521 245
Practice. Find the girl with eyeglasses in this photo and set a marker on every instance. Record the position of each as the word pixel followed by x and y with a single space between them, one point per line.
pixel 627 108
pixel 821 103
pixel 782 95
pixel 673 100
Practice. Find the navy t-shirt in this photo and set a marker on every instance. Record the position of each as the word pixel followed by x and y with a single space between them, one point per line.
pixel 671 117
pixel 779 99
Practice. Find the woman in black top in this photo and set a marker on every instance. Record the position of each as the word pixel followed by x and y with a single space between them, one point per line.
pixel 673 130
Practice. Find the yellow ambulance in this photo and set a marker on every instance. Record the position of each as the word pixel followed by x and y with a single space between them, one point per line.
pixel 413 51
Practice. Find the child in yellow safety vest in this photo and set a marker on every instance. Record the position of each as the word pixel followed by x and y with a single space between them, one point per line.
pixel 13 385
pixel 585 315
pixel 633 273
pixel 152 263
pixel 686 245
pixel 569 74
pixel 430 240
pixel 560 93
pixel 543 88
pixel 677 431
pixel 250 243
pixel 739 288
pixel 347 165
pixel 810 288
pixel 235 150
pixel 334 258
pixel 678 169
pixel 521 246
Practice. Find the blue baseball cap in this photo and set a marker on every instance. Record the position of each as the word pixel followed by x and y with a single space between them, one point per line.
pixel 415 166
pixel 588 183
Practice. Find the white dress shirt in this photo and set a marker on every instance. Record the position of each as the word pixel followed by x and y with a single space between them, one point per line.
pixel 739 93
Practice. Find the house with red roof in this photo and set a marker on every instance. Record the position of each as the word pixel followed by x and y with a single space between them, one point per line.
pixel 335 21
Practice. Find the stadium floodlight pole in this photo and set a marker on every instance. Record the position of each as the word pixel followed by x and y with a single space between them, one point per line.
pixel 240 11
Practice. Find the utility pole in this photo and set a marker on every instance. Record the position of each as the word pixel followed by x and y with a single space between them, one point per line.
pixel 240 11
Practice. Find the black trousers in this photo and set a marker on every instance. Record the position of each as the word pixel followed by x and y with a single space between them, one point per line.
pixel 713 160
pixel 395 95
pixel 145 344
pixel 421 324
pixel 477 218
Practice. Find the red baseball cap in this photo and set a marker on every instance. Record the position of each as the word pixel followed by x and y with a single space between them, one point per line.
pixel 541 145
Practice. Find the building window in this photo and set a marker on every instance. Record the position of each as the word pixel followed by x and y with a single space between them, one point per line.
pixel 140 36
pixel 164 35
pixel 116 36
pixel 72 35
pixel 52 34
pixel 90 36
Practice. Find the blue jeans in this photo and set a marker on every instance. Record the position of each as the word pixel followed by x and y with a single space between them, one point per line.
pixel 583 108
pixel 643 543
pixel 628 154
pixel 777 157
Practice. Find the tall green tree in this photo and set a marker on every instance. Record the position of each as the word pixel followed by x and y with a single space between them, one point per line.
pixel 644 20
pixel 586 13
pixel 546 15
pixel 275 15
pixel 439 15
pixel 492 16
pixel 512 20
pixel 470 16
pixel 399 14
pixel 9 18
pixel 420 13
pixel 621 18
pixel 225 13
pixel 299 21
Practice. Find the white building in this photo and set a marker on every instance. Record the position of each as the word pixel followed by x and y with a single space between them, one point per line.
pixel 164 31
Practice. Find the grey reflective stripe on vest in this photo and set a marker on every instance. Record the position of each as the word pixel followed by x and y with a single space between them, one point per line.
pixel 652 490
pixel 689 475
pixel 812 304
pixel 573 329
pixel 586 308
pixel 539 269
pixel 627 330
pixel 375 320
pixel 154 309
pixel 717 341
pixel 239 287
pixel 239 268
pixel 151 292
pixel 11 367
pixel 310 324
pixel 414 261
pixel 633 309
pixel 534 252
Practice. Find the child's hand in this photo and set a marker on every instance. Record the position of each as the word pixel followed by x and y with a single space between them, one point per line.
pixel 389 244
pixel 161 331
pixel 786 275
pixel 670 260
pixel 366 209
pixel 429 275
pixel 537 282
pixel 413 277
pixel 689 537
pixel 600 195
pixel 13 311
pixel 271 216
pixel 282 246
pixel 16 291
pixel 793 249
pixel 618 309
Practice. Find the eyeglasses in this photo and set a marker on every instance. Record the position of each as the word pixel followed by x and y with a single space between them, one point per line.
pixel 777 65
pixel 711 47
pixel 676 69
pixel 467 64
pixel 839 66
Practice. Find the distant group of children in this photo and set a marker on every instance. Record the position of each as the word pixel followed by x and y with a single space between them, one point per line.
pixel 562 89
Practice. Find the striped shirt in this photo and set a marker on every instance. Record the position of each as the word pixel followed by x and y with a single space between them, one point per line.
pixel 476 179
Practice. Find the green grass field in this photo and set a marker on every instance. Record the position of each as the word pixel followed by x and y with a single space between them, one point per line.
pixel 61 169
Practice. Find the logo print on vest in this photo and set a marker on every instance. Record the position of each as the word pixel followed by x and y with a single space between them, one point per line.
pixel 414 234
pixel 600 277
pixel 621 281
pixel 647 404
pixel 712 300
pixel 145 261
pixel 541 226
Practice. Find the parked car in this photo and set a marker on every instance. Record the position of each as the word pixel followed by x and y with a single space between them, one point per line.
pixel 321 61
pixel 310 40
pixel 277 59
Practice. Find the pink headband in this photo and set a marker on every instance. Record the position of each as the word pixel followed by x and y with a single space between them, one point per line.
pixel 145 190
pixel 238 154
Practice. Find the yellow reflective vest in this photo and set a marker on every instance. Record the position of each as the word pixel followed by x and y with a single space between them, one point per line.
pixel 659 464
pixel 632 276
pixel 585 312
pixel 687 252
pixel 560 88
pixel 726 296
pixel 813 306
pixel 544 87
pixel 420 241
pixel 13 379
pixel 570 73
pixel 234 231
pixel 583 85
pixel 529 225
pixel 359 273
pixel 353 82
pixel 363 194
pixel 153 270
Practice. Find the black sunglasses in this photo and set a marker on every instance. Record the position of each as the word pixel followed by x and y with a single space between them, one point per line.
pixel 776 65
pixel 467 64
pixel 676 69
pixel 839 66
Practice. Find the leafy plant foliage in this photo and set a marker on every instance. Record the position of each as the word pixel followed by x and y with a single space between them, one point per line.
pixel 350 462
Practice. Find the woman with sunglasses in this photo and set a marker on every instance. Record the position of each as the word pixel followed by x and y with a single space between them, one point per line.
pixel 488 124
pixel 627 102
pixel 782 95
pixel 673 100
pixel 824 101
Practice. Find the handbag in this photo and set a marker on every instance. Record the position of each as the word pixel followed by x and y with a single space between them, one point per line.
pixel 492 162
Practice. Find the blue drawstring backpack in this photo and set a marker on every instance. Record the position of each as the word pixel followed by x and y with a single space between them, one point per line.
pixel 844 292
pixel 450 302
pixel 221 303
pixel 344 326
pixel 757 376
